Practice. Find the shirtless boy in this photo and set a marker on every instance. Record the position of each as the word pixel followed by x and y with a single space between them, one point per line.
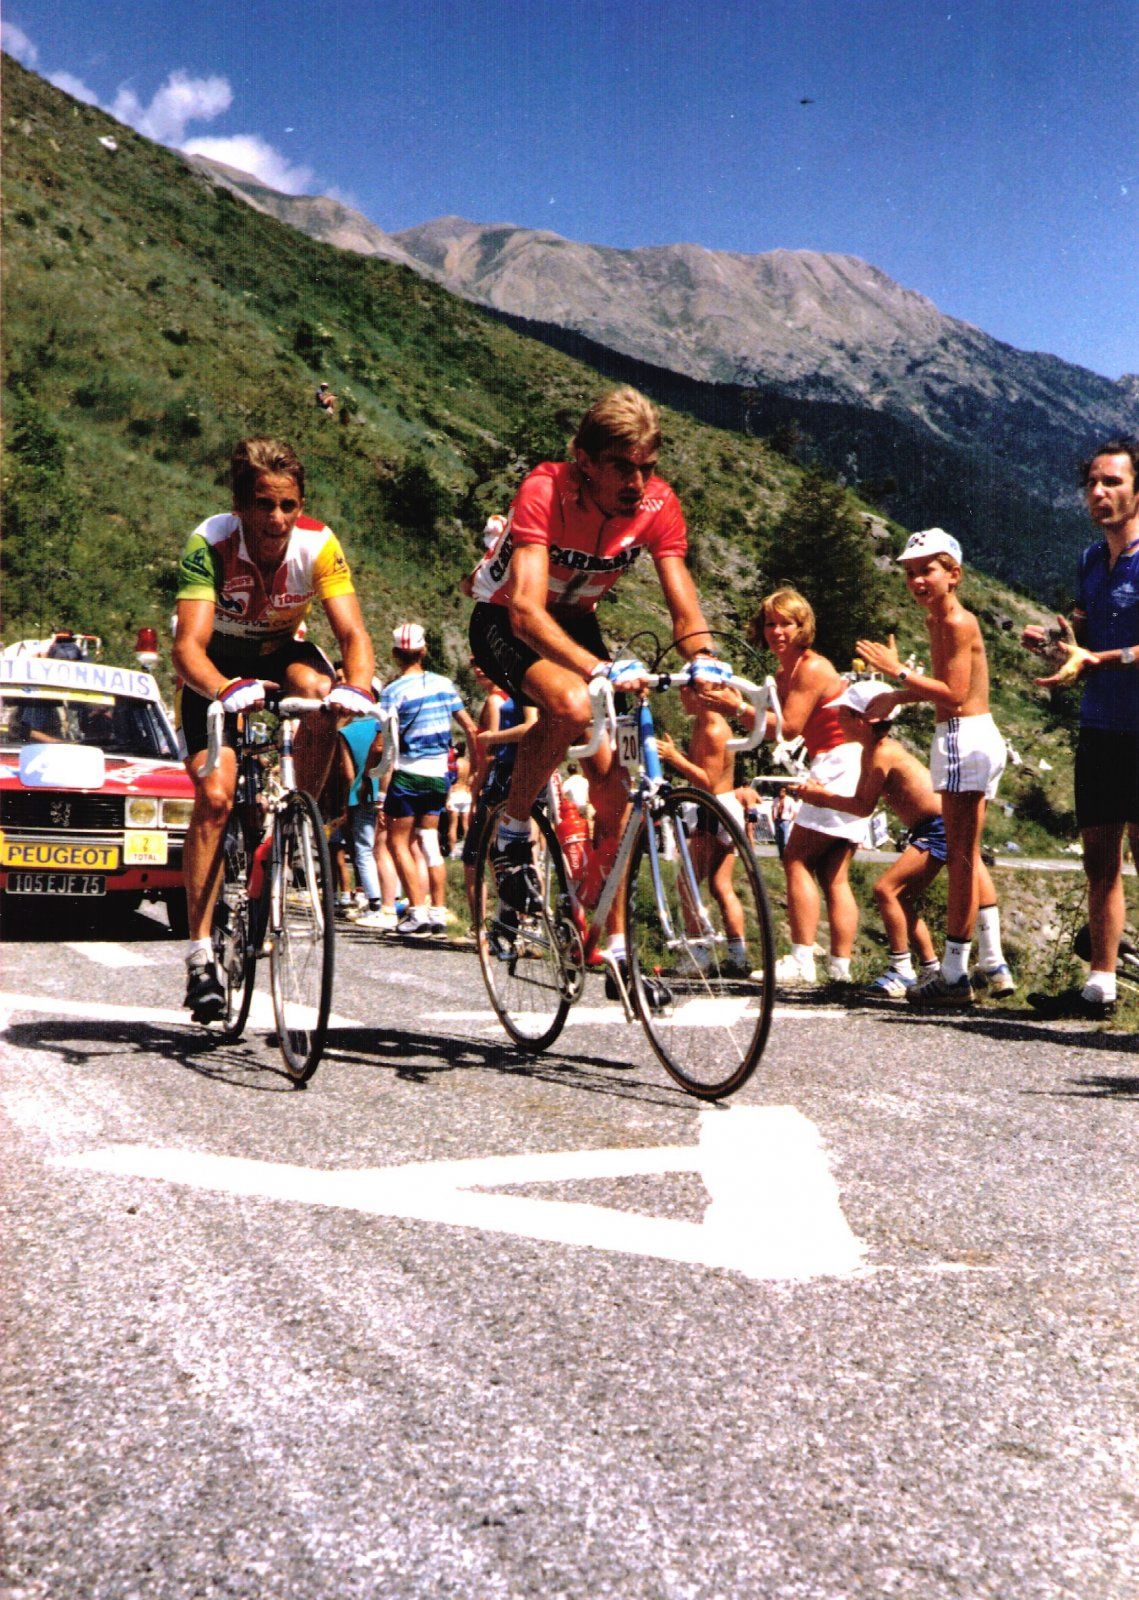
pixel 709 764
pixel 968 754
pixel 897 779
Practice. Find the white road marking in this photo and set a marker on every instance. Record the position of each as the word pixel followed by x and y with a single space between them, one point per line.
pixel 52 1005
pixel 110 955
pixel 613 1016
pixel 774 1210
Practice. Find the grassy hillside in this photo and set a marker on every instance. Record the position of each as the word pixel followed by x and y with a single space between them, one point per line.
pixel 151 319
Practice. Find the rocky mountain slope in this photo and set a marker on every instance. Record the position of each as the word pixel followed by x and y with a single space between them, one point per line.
pixel 818 327
pixel 932 417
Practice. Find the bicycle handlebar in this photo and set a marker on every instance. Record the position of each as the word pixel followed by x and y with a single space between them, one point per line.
pixel 763 698
pixel 289 705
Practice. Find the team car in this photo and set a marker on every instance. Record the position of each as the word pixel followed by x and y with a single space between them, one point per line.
pixel 94 799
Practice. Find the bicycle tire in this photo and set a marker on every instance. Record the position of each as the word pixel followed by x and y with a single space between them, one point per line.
pixel 302 953
pixel 531 965
pixel 705 1006
pixel 233 932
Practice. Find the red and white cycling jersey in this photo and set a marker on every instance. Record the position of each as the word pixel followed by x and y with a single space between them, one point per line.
pixel 588 550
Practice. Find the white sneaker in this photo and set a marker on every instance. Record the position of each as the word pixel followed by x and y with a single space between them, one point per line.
pixel 377 921
pixel 438 917
pixel 890 985
pixel 789 970
pixel 411 924
pixel 998 980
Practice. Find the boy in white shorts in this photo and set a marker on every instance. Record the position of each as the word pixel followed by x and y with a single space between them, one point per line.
pixel 968 754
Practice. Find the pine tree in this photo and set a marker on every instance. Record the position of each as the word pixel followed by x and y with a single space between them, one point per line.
pixel 821 548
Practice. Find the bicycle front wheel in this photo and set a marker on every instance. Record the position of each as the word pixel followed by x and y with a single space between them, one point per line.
pixel 531 961
pixel 301 954
pixel 233 932
pixel 701 954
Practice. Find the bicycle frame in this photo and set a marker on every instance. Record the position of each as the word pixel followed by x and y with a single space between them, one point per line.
pixel 650 782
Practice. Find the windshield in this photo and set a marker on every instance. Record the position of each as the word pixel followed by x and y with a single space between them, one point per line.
pixel 117 725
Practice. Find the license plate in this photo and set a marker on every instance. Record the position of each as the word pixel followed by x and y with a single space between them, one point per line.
pixel 46 856
pixel 67 883
pixel 144 849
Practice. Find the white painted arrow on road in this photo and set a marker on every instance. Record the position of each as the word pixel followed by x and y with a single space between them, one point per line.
pixel 773 1213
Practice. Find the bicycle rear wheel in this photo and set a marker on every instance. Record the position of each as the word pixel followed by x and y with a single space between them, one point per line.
pixel 701 954
pixel 301 955
pixel 532 965
pixel 233 932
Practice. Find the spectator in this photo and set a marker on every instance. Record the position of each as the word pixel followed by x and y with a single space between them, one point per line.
pixel 1101 646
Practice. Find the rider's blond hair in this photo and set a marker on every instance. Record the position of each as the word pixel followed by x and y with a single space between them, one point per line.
pixel 622 417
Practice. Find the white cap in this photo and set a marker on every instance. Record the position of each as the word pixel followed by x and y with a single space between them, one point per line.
pixel 409 636
pixel 931 542
pixel 859 695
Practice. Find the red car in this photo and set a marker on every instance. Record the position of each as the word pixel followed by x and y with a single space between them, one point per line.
pixel 94 799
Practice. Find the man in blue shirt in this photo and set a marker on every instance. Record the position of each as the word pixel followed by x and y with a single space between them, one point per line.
pixel 424 704
pixel 1102 648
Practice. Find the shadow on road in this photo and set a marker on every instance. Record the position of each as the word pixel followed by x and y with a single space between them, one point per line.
pixel 79 921
pixel 77 1042
pixel 253 1063
pixel 418 1057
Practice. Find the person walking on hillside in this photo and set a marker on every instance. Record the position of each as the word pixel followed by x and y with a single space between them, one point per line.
pixel 1101 647
pixel 424 703
pixel 246 581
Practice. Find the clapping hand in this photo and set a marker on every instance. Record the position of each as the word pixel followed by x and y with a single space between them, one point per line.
pixel 882 658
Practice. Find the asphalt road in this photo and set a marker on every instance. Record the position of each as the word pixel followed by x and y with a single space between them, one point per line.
pixel 452 1323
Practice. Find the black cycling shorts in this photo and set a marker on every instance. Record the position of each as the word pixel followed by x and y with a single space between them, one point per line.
pixel 1107 778
pixel 506 660
pixel 190 706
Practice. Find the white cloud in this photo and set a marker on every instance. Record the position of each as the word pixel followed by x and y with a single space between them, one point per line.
pixel 75 87
pixel 17 43
pixel 248 153
pixel 180 100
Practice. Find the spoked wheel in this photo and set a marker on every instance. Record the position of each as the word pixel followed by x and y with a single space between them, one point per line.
pixel 301 956
pixel 701 955
pixel 533 965
pixel 233 933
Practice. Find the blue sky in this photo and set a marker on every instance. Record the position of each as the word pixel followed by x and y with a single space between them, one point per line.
pixel 984 153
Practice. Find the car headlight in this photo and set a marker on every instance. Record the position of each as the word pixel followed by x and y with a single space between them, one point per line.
pixel 176 813
pixel 141 812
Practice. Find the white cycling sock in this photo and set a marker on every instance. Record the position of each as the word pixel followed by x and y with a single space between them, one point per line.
pixel 955 963
pixel 200 950
pixel 902 962
pixel 988 930
pixel 1100 986
pixel 616 946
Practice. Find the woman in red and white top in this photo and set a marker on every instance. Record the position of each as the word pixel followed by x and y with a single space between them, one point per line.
pixel 822 841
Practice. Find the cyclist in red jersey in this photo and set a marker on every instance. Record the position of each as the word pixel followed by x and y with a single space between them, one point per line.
pixel 573 529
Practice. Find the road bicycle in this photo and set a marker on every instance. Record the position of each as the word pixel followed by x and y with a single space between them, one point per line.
pixel 700 966
pixel 276 894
